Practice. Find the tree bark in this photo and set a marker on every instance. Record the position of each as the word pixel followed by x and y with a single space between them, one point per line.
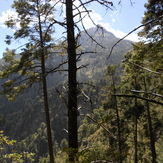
pixel 136 140
pixel 118 122
pixel 151 134
pixel 45 95
pixel 46 106
pixel 152 141
pixel 136 125
pixel 72 84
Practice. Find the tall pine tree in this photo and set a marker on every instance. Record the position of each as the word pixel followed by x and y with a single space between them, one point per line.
pixel 36 24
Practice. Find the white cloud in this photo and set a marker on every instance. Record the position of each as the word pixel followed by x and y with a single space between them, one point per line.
pixel 6 15
pixel 113 20
pixel 133 36
pixel 97 18
pixel 114 16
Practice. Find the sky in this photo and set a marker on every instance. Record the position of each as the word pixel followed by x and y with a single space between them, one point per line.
pixel 122 19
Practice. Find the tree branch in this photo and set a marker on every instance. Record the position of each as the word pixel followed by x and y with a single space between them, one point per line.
pixel 154 94
pixel 143 98
pixel 160 17
pixel 144 68
pixel 95 121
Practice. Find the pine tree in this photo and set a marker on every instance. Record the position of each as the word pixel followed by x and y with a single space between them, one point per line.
pixel 111 72
pixel 36 20
pixel 154 10
pixel 153 32
pixel 140 83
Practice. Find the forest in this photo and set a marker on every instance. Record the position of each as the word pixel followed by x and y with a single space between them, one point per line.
pixel 84 98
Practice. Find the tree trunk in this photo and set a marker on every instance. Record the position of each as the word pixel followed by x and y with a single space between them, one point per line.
pixel 46 106
pixel 136 124
pixel 135 140
pixel 45 95
pixel 72 84
pixel 118 122
pixel 152 141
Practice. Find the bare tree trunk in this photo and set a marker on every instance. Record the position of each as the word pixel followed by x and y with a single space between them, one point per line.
pixel 72 84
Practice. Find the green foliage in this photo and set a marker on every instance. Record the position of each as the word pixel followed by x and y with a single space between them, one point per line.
pixel 140 79
pixel 35 24
pixel 35 143
pixel 5 140
pixel 153 30
pixel 12 157
pixel 98 131
pixel 18 158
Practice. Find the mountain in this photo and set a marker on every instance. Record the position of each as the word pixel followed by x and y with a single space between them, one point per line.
pixel 97 62
pixel 23 116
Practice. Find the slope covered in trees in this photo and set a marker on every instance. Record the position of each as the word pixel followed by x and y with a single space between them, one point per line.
pixel 96 66
pixel 25 113
pixel 119 108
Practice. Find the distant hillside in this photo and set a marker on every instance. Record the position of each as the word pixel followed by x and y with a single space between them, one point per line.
pixel 24 116
pixel 97 62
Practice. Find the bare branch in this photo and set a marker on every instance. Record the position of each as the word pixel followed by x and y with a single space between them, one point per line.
pixel 62 96
pixel 154 94
pixel 83 108
pixel 119 2
pixel 84 52
pixel 95 121
pixel 55 69
pixel 105 3
pixel 82 66
pixel 143 98
pixel 100 161
pixel 144 68
pixel 88 98
pixel 64 130
pixel 88 13
pixel 160 17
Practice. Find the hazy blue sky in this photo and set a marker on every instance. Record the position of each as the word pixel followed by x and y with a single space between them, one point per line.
pixel 121 20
